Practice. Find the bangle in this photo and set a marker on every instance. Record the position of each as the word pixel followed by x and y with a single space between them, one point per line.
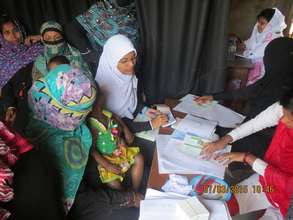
pixel 245 157
pixel 11 107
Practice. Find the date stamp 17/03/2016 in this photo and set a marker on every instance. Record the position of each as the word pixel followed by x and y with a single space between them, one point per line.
pixel 214 188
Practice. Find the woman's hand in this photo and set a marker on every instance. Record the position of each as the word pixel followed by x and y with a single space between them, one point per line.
pixel 129 137
pixel 159 121
pixel 29 40
pixel 204 99
pixel 230 157
pixel 151 113
pixel 210 148
pixel 112 168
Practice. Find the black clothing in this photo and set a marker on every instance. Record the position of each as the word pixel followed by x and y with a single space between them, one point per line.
pixel 95 201
pixel 138 126
pixel 37 187
pixel 278 61
pixel 14 94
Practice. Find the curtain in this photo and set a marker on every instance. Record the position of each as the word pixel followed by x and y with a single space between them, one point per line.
pixel 183 46
pixel 183 43
pixel 32 13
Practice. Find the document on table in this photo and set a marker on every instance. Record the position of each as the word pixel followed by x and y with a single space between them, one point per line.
pixel 160 205
pixel 177 156
pixel 151 207
pixel 218 209
pixel 198 126
pixel 148 135
pixel 189 98
pixel 215 112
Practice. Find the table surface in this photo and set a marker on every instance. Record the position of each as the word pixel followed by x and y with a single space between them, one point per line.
pixel 157 180
pixel 240 62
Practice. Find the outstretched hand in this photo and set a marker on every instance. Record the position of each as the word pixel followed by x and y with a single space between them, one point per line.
pixel 210 148
pixel 203 99
pixel 228 158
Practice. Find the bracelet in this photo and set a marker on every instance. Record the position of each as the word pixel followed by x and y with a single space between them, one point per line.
pixel 11 107
pixel 245 157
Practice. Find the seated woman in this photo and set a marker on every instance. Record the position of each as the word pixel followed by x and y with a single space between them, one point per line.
pixel 279 78
pixel 60 102
pixel 270 25
pixel 271 186
pixel 111 152
pixel 30 185
pixel 17 53
pixel 55 44
pixel 117 80
pixel 123 91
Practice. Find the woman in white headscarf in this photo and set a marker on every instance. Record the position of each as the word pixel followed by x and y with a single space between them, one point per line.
pixel 119 85
pixel 270 25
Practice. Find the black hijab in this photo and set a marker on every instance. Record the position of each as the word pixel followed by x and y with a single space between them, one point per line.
pixel 278 62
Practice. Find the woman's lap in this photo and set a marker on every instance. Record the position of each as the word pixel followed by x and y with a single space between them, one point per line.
pixel 37 186
pixel 98 204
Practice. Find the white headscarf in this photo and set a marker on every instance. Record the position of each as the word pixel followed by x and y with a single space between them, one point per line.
pixel 120 90
pixel 257 42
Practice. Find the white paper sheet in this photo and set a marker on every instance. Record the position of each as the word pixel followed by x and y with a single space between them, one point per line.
pixel 198 126
pixel 147 135
pixel 174 157
pixel 224 116
pixel 217 209
pixel 158 208
pixel 189 98
pixel 159 205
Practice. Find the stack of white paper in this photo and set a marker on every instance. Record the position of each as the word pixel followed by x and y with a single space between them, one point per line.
pixel 211 111
pixel 193 209
pixel 160 205
pixel 171 206
pixel 174 156
pixel 198 126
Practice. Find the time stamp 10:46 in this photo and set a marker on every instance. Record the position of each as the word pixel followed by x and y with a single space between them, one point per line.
pixel 237 189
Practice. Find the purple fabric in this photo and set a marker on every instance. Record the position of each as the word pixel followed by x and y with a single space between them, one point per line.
pixel 14 57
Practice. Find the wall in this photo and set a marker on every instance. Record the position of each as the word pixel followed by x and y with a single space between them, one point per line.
pixel 243 14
